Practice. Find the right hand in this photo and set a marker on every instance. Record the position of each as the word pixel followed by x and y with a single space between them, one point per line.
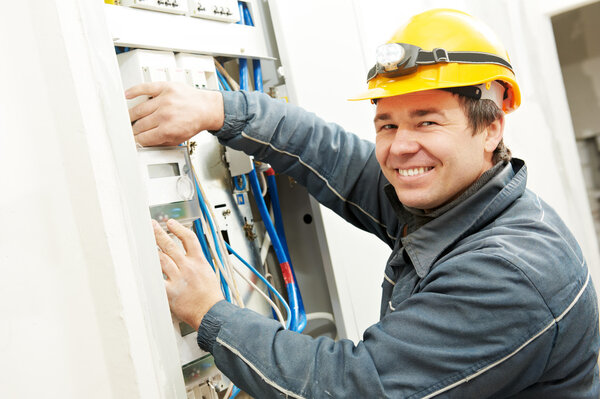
pixel 192 286
pixel 174 112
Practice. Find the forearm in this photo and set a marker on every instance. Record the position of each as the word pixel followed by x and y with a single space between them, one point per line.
pixel 266 361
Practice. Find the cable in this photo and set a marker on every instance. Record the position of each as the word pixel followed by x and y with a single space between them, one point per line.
pixel 288 278
pixel 256 67
pixel 272 189
pixel 216 236
pixel 269 286
pixel 244 77
pixel 210 256
pixel 223 81
pixel 247 17
pixel 263 184
pixel 272 304
pixel 258 81
pixel 241 8
pixel 234 86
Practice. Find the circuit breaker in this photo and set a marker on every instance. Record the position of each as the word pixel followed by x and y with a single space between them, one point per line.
pixel 218 10
pixel 170 6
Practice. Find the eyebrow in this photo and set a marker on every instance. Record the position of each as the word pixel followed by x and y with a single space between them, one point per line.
pixel 427 111
pixel 415 113
pixel 382 117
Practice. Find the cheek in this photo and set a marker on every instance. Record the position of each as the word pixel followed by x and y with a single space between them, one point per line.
pixel 381 150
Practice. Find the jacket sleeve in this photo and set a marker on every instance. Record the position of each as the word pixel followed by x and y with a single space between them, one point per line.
pixel 338 168
pixel 472 330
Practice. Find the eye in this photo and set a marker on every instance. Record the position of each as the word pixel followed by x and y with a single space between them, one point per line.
pixel 388 126
pixel 427 123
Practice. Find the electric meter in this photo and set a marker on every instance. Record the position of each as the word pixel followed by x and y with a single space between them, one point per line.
pixel 170 182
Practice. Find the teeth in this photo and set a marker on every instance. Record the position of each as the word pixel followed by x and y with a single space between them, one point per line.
pixel 414 171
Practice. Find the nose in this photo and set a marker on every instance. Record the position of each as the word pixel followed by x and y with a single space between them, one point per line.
pixel 404 143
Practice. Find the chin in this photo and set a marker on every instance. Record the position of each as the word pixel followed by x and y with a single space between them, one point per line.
pixel 418 201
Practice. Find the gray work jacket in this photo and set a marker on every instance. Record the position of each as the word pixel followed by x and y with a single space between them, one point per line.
pixel 491 299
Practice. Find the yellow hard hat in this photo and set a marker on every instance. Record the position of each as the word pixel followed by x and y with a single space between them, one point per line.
pixel 439 49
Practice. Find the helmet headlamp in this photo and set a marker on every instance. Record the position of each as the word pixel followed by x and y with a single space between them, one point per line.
pixel 389 56
pixel 398 59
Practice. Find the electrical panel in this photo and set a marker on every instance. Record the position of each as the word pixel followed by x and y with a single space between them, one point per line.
pixel 218 10
pixel 170 6
pixel 172 192
pixel 202 177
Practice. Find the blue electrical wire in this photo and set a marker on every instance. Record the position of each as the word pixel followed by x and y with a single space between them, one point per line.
pixel 206 214
pixel 244 77
pixel 272 190
pixel 234 392
pixel 290 284
pixel 223 81
pixel 246 15
pixel 241 8
pixel 264 280
pixel 257 70
pixel 203 243
pixel 258 81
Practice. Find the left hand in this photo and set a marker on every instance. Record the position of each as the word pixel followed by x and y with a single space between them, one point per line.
pixel 192 286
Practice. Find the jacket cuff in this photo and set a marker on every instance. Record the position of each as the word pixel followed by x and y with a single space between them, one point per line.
pixel 235 107
pixel 211 324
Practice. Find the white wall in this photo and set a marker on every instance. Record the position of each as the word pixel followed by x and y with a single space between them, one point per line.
pixel 76 322
pixel 327 63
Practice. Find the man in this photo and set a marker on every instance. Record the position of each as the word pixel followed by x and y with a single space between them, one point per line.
pixel 486 293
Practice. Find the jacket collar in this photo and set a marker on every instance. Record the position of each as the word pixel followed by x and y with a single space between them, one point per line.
pixel 426 244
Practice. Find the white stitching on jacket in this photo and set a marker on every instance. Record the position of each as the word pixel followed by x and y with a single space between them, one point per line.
pixel 261 375
pixel 321 177
pixel 530 340
pixel 390 305
pixel 389 280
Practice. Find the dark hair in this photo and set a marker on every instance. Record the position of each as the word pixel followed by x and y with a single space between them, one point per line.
pixel 480 114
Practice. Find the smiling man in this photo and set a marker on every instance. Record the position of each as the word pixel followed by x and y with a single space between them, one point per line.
pixel 429 152
pixel 486 293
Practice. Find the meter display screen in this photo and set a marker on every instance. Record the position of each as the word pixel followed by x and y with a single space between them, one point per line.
pixel 163 170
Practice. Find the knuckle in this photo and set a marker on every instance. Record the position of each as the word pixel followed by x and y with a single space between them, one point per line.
pixel 171 247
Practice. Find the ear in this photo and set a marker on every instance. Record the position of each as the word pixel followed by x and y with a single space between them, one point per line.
pixel 493 135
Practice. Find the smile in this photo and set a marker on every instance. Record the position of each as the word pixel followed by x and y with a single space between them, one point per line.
pixel 414 171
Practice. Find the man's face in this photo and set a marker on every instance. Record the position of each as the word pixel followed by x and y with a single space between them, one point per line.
pixel 426 149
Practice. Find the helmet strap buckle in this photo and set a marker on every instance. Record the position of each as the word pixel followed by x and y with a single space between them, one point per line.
pixel 440 55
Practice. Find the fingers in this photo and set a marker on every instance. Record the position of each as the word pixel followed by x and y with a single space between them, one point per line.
pixel 167 245
pixel 151 89
pixel 169 268
pixel 147 123
pixel 152 137
pixel 187 237
pixel 143 109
